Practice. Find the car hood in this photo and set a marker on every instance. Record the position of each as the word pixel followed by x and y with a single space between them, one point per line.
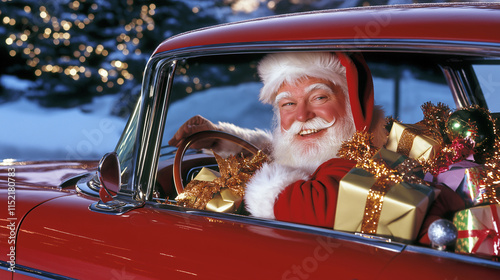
pixel 44 174
pixel 32 183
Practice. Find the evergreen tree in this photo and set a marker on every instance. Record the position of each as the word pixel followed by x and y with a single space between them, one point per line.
pixel 74 50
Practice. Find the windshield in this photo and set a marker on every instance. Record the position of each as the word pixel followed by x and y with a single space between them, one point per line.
pixel 125 149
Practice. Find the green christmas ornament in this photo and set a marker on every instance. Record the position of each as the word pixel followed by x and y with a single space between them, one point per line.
pixel 473 123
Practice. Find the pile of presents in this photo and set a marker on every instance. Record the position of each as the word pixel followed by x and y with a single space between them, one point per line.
pixel 393 187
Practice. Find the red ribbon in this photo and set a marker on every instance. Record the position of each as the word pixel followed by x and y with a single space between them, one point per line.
pixel 482 234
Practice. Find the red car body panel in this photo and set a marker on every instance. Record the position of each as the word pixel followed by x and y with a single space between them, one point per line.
pixel 34 184
pixel 147 243
pixel 433 268
pixel 411 23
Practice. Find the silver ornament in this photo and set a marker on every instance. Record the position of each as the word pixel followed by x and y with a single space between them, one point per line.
pixel 442 233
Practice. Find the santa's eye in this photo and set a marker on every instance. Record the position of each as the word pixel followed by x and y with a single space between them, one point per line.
pixel 319 98
pixel 286 103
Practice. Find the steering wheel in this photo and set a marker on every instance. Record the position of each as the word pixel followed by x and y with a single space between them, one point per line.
pixel 184 145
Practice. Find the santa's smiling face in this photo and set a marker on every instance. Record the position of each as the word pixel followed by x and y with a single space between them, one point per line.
pixel 314 119
pixel 306 100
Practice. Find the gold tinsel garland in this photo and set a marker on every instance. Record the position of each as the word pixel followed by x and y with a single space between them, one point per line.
pixel 492 172
pixel 360 149
pixel 458 149
pixel 235 171
pixel 435 116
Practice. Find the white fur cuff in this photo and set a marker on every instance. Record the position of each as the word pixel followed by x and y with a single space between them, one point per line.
pixel 265 186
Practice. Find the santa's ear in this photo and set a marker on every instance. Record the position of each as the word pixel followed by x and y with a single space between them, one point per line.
pixel 360 87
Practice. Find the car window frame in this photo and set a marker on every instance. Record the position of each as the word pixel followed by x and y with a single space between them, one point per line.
pixel 154 95
pixel 144 181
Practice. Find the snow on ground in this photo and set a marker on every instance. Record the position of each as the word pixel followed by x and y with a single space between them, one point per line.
pixel 31 132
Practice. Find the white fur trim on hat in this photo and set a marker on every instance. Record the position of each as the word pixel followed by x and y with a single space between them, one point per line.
pixel 265 186
pixel 275 69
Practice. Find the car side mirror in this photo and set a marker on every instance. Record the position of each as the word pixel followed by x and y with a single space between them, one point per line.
pixel 109 175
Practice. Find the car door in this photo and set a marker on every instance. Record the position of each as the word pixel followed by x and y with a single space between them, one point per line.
pixel 63 237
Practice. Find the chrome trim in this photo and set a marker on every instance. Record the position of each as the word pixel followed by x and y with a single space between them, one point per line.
pixel 114 207
pixel 154 98
pixel 459 95
pixel 470 82
pixel 464 84
pixel 454 256
pixel 375 241
pixel 122 203
pixel 88 185
pixel 35 273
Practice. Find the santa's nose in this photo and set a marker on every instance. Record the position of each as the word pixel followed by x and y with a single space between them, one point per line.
pixel 304 112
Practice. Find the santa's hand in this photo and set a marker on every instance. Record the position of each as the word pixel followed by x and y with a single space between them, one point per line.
pixel 193 125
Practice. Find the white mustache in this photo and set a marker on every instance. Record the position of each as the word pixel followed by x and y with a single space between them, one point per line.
pixel 316 123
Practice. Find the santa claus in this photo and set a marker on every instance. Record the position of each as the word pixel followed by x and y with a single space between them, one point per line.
pixel 320 99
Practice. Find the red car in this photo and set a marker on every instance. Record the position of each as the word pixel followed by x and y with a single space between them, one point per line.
pixel 59 222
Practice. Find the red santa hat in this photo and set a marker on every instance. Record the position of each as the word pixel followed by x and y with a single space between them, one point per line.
pixel 349 72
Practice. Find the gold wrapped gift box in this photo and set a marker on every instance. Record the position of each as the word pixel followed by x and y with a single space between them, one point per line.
pixel 403 207
pixel 412 140
pixel 224 201
pixel 206 175
pixel 221 191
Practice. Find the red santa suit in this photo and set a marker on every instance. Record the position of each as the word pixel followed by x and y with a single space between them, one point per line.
pixel 290 194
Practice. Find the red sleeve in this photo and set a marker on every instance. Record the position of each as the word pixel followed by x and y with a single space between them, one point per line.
pixel 444 207
pixel 314 201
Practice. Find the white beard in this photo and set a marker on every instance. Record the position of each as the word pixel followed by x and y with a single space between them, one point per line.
pixel 309 155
